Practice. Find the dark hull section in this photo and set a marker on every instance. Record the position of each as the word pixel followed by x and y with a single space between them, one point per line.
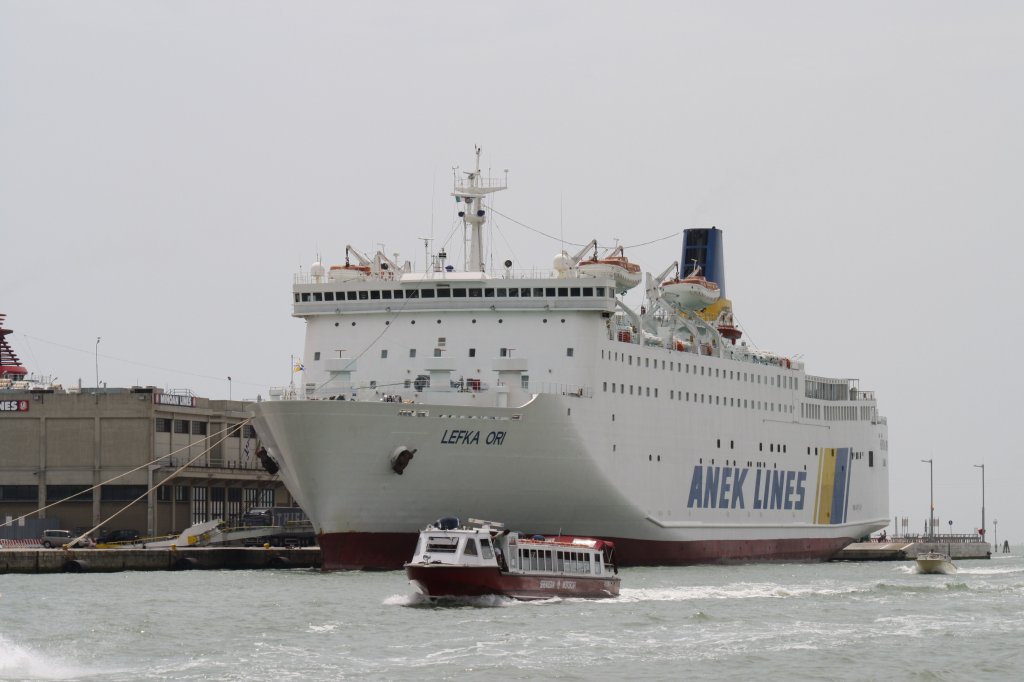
pixel 390 551
pixel 438 580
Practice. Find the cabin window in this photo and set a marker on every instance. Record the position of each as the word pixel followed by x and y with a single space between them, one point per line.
pixel 364 295
pixel 426 293
pixel 412 293
pixel 399 293
pixel 472 352
pixel 501 293
pixel 485 549
pixel 600 291
pixel 316 355
pixel 386 293
pixel 574 291
pixel 524 292
pixel 444 293
pixel 524 381
pixel 384 355
pixel 563 291
pixel 588 291
pixel 597 564
pixel 412 352
pixel 476 293
pixel 459 293
pixel 375 295
pixel 538 292
pixel 568 352
pixel 470 549
pixel 328 295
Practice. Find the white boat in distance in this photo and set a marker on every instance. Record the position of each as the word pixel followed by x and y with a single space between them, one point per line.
pixel 545 400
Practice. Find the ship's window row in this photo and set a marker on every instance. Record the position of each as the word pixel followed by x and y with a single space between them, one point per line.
pixel 783 381
pixel 447 291
pixel 702 398
pixel 547 560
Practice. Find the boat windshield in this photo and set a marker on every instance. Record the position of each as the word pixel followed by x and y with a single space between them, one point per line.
pixel 485 549
pixel 442 543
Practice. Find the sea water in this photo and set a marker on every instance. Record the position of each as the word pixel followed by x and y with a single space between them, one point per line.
pixel 834 621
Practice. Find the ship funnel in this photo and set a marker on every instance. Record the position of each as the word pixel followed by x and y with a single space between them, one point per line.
pixel 704 246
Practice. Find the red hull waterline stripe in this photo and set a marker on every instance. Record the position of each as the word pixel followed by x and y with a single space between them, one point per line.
pixel 390 551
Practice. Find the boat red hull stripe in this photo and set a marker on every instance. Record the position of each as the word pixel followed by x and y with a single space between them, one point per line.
pixel 437 580
pixel 390 551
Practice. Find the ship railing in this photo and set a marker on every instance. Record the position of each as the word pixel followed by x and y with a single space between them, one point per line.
pixel 571 390
pixel 951 538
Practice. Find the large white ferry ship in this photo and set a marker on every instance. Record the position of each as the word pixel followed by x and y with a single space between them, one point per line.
pixel 543 399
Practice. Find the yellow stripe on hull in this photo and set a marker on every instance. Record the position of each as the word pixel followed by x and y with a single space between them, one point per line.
pixel 826 485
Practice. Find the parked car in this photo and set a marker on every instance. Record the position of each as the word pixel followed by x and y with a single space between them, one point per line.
pixel 121 535
pixel 58 538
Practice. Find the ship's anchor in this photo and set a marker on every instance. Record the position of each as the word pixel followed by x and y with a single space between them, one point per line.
pixel 400 458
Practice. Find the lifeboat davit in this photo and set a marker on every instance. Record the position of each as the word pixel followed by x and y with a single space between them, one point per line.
pixel 626 275
pixel 693 292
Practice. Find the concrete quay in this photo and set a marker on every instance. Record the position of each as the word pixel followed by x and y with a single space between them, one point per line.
pixel 32 560
pixel 901 550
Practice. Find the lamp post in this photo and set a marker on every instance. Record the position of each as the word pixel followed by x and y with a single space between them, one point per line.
pixel 982 467
pixel 97 363
pixel 931 498
pixel 229 388
pixel 995 529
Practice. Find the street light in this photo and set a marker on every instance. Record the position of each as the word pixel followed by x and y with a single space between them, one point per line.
pixel 931 498
pixel 229 388
pixel 995 529
pixel 982 467
pixel 97 363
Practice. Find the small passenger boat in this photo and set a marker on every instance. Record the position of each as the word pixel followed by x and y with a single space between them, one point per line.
pixel 484 558
pixel 935 562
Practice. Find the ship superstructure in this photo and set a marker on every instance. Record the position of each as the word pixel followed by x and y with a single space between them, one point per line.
pixel 536 396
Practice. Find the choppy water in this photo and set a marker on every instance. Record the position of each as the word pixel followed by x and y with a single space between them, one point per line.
pixel 845 621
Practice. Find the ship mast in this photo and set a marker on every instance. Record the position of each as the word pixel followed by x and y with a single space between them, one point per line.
pixel 471 190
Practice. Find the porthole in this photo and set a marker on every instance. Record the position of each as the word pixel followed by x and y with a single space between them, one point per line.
pixel 474 320
pixel 563 320
pixel 545 320
pixel 412 321
pixel 335 324
pixel 500 320
pixel 439 321
pixel 353 324
pixel 387 322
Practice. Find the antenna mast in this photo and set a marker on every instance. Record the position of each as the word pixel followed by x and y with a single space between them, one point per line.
pixel 471 190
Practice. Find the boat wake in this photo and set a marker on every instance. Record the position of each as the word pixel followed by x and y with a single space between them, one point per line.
pixel 23 663
pixel 417 600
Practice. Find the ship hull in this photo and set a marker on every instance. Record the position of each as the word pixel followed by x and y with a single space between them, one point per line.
pixel 477 581
pixel 551 459
pixel 390 551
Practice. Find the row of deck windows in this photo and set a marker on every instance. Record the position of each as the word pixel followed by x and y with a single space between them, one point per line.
pixel 557 561
pixel 454 292
pixel 783 381
pixel 703 398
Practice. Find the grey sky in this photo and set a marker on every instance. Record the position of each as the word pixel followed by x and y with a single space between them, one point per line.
pixel 165 169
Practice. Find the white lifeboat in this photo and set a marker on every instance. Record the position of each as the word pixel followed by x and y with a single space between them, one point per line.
pixel 348 273
pixel 626 275
pixel 693 292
